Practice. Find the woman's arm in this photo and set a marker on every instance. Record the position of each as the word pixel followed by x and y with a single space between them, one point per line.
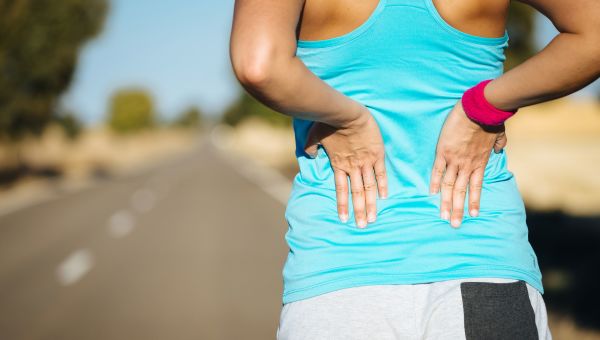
pixel 263 53
pixel 568 63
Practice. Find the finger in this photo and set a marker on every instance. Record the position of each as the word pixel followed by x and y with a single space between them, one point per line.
pixel 437 173
pixel 475 185
pixel 370 186
pixel 447 187
pixel 358 197
pixel 312 150
pixel 500 143
pixel 381 177
pixel 458 197
pixel 341 191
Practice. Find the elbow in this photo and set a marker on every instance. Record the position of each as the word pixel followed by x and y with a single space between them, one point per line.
pixel 252 72
pixel 254 65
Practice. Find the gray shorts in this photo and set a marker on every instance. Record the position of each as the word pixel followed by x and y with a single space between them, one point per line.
pixel 480 308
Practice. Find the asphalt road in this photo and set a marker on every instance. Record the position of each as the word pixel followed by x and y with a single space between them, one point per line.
pixel 187 250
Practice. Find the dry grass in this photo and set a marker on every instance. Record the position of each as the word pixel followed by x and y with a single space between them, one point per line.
pixel 74 164
pixel 266 144
pixel 554 151
pixel 563 328
pixel 95 149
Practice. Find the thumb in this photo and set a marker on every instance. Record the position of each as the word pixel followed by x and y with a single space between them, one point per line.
pixel 312 142
pixel 500 142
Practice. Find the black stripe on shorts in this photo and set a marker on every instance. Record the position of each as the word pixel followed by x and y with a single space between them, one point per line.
pixel 497 311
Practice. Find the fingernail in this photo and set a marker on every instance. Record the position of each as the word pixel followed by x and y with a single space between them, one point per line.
pixel 372 218
pixel 445 215
pixel 344 218
pixel 474 212
pixel 362 223
pixel 455 223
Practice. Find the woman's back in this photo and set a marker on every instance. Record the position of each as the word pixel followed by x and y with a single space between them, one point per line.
pixel 409 67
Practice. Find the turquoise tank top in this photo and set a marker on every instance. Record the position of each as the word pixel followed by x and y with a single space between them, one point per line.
pixel 409 67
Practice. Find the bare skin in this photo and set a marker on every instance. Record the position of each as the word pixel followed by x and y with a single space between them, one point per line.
pixel 263 43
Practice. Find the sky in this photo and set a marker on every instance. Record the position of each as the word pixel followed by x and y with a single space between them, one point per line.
pixel 175 49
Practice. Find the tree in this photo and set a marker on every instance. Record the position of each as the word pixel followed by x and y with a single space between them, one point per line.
pixel 131 110
pixel 190 118
pixel 69 123
pixel 39 44
pixel 520 30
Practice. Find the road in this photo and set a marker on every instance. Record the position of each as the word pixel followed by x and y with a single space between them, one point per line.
pixel 191 249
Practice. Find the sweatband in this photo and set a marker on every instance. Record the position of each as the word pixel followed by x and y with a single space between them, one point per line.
pixel 480 110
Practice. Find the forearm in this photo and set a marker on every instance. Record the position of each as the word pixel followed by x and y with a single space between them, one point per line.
pixel 570 62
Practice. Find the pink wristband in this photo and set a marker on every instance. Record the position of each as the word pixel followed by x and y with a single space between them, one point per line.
pixel 480 110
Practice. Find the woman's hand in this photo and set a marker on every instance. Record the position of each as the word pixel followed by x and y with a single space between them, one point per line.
pixel 462 153
pixel 355 150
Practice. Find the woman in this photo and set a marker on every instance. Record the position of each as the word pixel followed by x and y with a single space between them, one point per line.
pixel 398 110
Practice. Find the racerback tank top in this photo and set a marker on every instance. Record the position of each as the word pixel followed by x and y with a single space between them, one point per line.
pixel 409 67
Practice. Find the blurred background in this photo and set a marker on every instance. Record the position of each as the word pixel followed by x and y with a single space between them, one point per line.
pixel 142 192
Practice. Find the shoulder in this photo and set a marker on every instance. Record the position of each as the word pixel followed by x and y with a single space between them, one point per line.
pixel 322 19
pixel 486 18
pixel 489 8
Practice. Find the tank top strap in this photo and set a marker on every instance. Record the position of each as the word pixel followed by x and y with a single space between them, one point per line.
pixel 413 3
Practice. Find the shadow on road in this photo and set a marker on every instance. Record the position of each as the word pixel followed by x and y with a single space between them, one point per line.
pixel 568 250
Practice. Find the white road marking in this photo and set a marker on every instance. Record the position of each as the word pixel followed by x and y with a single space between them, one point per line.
pixel 74 267
pixel 269 180
pixel 121 224
pixel 143 200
